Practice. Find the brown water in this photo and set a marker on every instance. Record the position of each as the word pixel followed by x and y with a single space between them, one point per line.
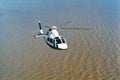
pixel 92 54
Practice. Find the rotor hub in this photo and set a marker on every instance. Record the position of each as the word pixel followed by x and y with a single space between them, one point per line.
pixel 54 27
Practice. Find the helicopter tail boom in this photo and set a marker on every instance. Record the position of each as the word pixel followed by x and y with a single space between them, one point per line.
pixel 37 35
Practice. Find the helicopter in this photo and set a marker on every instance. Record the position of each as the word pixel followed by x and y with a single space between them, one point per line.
pixel 52 36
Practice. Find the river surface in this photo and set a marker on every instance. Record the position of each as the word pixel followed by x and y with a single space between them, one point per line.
pixel 93 54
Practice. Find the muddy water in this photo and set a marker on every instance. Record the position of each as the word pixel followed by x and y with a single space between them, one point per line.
pixel 92 54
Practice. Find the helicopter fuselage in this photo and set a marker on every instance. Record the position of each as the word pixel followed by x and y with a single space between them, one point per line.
pixel 54 40
pixel 52 37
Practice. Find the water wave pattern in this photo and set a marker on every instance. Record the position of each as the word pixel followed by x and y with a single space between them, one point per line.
pixel 92 54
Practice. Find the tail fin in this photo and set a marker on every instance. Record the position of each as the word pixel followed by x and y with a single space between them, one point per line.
pixel 40 25
pixel 39 33
pixel 40 29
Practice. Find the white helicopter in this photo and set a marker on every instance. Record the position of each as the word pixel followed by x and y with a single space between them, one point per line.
pixel 53 38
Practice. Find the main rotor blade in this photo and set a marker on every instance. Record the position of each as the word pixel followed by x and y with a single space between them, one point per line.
pixel 77 28
pixel 46 26
pixel 60 25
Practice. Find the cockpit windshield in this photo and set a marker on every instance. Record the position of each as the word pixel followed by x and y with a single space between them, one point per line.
pixel 60 40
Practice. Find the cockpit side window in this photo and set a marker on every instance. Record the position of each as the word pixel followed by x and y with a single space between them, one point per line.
pixel 63 40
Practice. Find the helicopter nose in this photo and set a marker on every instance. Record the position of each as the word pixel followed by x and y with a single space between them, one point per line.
pixel 62 46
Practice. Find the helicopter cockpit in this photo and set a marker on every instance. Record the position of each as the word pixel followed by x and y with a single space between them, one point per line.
pixel 60 43
pixel 60 40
